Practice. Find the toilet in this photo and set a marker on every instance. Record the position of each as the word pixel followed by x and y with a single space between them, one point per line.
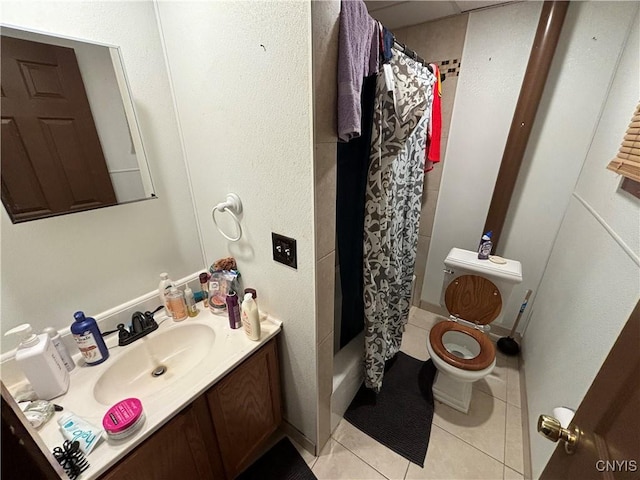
pixel 474 292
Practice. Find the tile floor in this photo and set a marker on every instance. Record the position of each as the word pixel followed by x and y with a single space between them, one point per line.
pixel 485 444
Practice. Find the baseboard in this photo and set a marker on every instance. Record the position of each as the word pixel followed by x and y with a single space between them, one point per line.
pixel 298 437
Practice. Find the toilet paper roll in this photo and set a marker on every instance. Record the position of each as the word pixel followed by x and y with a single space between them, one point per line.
pixel 564 415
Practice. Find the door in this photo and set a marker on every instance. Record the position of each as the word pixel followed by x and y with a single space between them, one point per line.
pixel 52 160
pixel 608 418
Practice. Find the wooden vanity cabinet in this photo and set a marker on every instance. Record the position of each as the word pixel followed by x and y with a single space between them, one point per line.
pixel 183 448
pixel 217 435
pixel 245 408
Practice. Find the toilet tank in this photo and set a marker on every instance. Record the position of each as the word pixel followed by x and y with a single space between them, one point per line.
pixel 465 262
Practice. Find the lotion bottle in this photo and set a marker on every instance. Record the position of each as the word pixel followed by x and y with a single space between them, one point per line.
pixel 250 318
pixel 41 363
pixel 60 347
pixel 89 339
pixel 163 291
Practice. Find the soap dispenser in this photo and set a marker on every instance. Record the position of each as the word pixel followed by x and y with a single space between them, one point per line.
pixel 41 363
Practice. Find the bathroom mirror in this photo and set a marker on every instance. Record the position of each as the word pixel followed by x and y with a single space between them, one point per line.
pixel 59 160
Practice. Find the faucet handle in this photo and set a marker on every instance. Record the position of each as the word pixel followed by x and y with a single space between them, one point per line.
pixel 123 334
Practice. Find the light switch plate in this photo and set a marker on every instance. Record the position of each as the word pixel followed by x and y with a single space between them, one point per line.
pixel 284 250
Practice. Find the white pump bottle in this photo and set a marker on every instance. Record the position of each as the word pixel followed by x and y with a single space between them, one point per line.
pixel 41 363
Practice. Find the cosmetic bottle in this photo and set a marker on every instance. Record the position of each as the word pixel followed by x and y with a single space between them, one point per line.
pixel 250 318
pixel 41 363
pixel 56 339
pixel 89 339
pixel 192 309
pixel 178 308
pixel 204 286
pixel 233 309
pixel 163 290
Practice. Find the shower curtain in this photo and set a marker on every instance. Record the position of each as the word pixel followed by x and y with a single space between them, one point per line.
pixel 392 209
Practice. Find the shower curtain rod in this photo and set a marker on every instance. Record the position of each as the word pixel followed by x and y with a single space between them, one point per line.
pixel 412 54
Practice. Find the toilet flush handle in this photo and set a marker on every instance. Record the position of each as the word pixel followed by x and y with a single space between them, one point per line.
pixel 448 271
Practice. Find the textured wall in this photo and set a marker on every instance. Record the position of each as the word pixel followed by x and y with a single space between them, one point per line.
pixel 487 91
pixel 96 260
pixel 592 282
pixel 580 75
pixel 241 73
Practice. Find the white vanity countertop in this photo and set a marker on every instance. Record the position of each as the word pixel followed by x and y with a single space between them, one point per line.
pixel 231 347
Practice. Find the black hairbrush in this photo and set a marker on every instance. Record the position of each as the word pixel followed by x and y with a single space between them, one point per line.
pixel 71 459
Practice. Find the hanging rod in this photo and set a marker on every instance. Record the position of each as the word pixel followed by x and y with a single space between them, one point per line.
pixel 412 54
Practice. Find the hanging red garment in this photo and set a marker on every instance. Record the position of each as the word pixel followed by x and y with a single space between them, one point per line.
pixel 435 124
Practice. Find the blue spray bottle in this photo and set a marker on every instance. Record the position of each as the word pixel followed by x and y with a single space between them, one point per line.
pixel 484 249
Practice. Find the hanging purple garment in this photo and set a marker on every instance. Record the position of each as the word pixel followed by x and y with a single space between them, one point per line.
pixel 357 58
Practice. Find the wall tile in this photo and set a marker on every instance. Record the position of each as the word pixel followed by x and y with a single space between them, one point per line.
pixel 421 266
pixel 324 421
pixel 429 201
pixel 325 198
pixel 325 26
pixel 325 296
pixel 325 366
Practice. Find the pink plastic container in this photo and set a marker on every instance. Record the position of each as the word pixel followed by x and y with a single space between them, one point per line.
pixel 123 419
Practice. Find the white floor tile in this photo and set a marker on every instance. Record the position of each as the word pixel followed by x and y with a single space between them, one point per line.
pixel 414 342
pixel 513 456
pixel 513 386
pixel 423 318
pixel 385 461
pixel 495 384
pixel 337 463
pixel 511 474
pixel 483 427
pixel 448 457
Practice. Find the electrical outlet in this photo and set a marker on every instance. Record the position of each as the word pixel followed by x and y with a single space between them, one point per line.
pixel 284 250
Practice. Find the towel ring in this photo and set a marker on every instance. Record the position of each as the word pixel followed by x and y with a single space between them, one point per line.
pixel 233 206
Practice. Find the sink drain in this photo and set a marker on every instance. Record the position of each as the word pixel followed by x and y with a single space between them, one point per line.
pixel 160 370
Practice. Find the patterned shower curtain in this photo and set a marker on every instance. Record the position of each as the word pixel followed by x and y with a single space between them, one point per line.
pixel 392 210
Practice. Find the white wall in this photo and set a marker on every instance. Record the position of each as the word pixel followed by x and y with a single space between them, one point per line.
pixel 96 260
pixel 592 282
pixel 494 58
pixel 241 72
pixel 587 53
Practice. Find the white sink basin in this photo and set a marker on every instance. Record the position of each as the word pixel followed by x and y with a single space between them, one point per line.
pixel 178 350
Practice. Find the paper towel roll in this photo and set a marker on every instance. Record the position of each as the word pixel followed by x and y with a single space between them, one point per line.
pixel 564 415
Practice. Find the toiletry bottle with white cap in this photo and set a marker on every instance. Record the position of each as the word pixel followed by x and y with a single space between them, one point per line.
pixel 56 339
pixel 250 317
pixel 41 363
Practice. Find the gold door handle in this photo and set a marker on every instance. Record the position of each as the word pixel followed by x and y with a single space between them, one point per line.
pixel 550 428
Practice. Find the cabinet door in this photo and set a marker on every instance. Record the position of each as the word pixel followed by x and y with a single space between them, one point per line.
pixel 245 407
pixel 183 448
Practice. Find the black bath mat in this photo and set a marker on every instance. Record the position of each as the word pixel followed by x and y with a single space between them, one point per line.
pixel 281 462
pixel 400 416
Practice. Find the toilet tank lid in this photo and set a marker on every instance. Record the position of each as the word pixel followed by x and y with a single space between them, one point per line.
pixel 468 260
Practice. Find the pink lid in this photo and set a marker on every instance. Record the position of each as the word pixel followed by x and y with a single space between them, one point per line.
pixel 122 415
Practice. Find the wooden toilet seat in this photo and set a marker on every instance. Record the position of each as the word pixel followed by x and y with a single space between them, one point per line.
pixel 475 299
pixel 482 361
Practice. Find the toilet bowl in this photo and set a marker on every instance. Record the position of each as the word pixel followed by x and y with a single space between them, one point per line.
pixel 473 292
